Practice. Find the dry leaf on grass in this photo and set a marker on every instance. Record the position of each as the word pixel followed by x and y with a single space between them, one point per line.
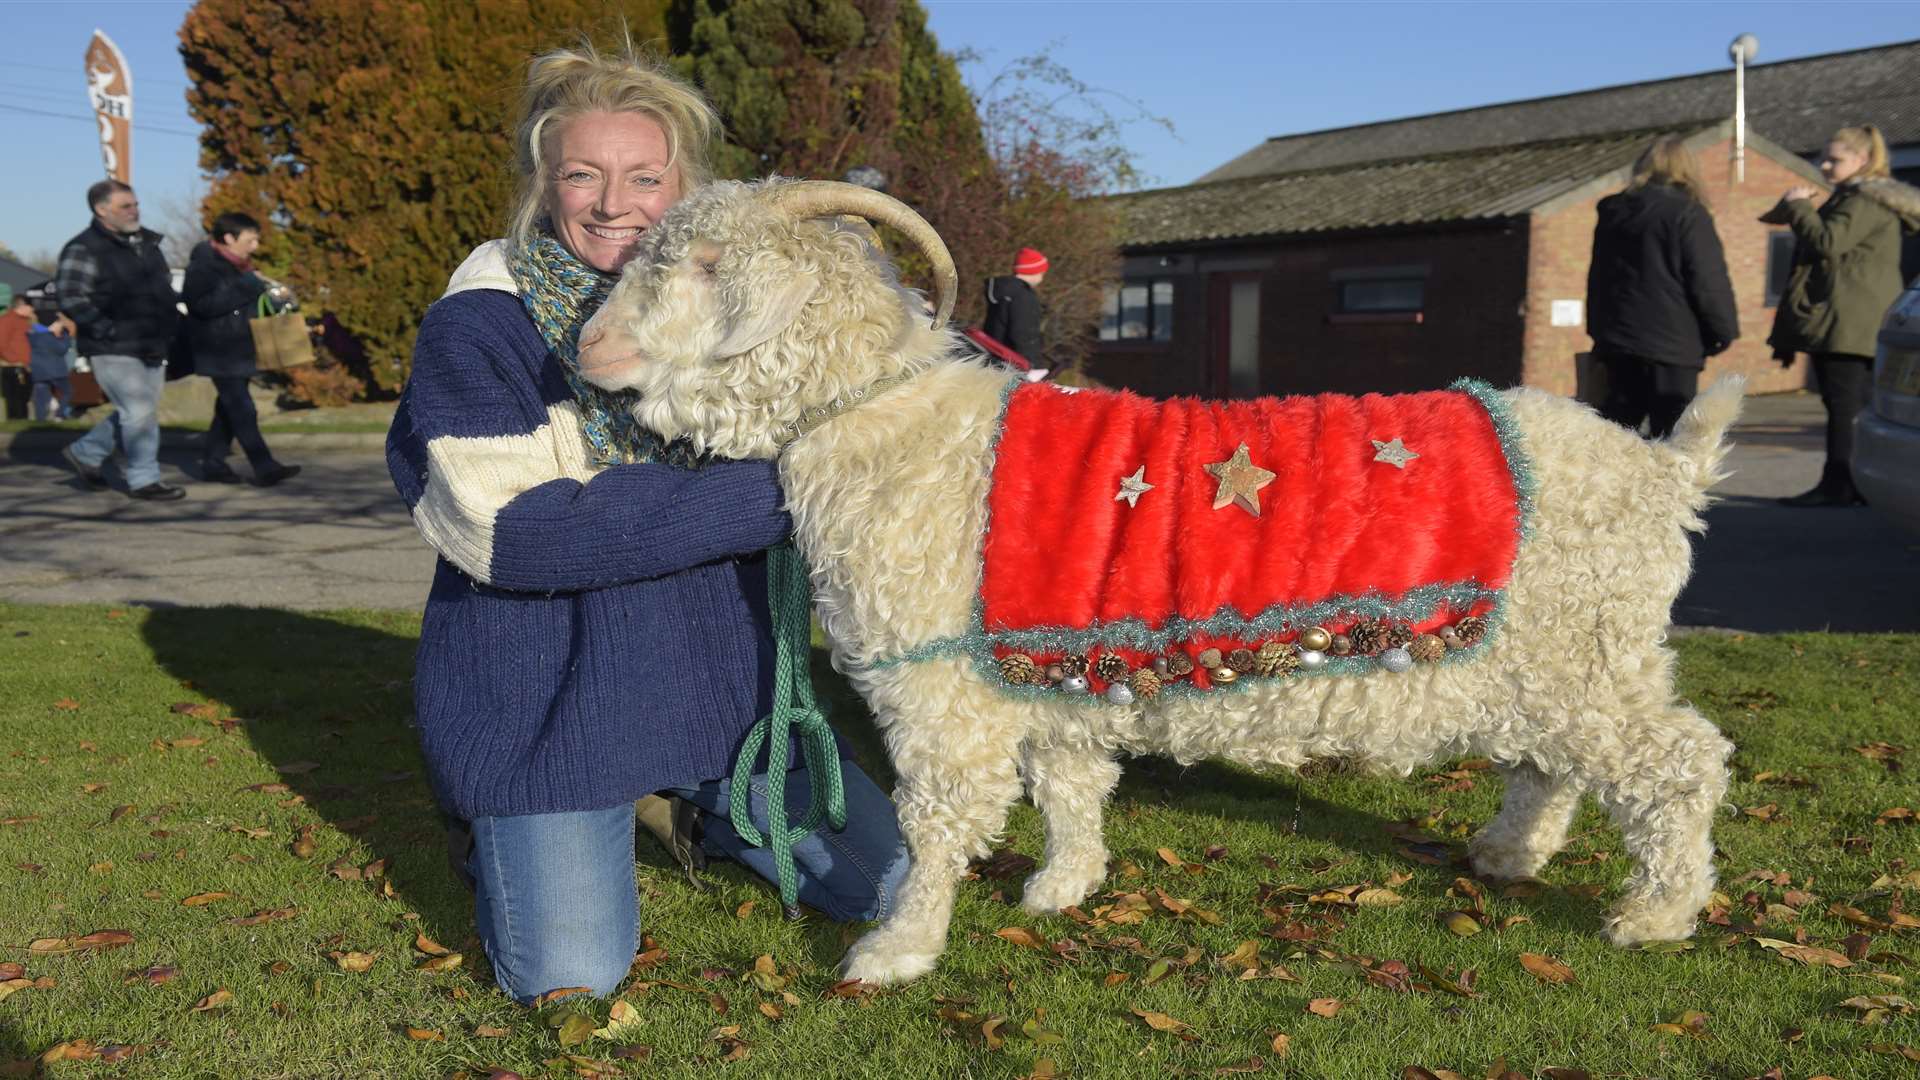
pixel 1328 1007
pixel 219 999
pixel 355 961
pixel 1546 968
pixel 1020 935
pixel 205 898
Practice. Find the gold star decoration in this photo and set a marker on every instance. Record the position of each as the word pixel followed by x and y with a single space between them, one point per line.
pixel 1132 487
pixel 1394 453
pixel 1240 481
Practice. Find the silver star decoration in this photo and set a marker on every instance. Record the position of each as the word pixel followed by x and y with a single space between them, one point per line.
pixel 1393 453
pixel 1132 487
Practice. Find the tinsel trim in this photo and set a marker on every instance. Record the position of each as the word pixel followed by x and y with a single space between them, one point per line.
pixel 1414 606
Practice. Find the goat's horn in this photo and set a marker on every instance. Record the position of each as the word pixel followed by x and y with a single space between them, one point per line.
pixel 831 198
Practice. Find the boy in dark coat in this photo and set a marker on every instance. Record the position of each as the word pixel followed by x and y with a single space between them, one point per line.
pixel 1013 307
pixel 1659 301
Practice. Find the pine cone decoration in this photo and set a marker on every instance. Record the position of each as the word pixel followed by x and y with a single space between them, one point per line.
pixel 1074 664
pixel 1471 629
pixel 1368 638
pixel 1399 635
pixel 1178 664
pixel 1144 684
pixel 1020 670
pixel 1427 648
pixel 1276 658
pixel 1210 658
pixel 1111 668
pixel 1241 660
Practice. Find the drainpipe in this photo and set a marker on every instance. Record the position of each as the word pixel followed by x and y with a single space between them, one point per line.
pixel 1742 50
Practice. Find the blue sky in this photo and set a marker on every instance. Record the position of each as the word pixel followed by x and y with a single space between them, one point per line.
pixel 1226 74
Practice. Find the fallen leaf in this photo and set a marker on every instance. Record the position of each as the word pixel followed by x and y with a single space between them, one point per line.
pixel 1020 935
pixel 1546 968
pixel 252 833
pixel 98 941
pixel 1160 1021
pixel 488 1031
pixel 440 963
pixel 1328 1007
pixel 429 946
pixel 622 1020
pixel 1460 923
pixel 66 704
pixel 1115 978
pixel 1282 1042
pixel 745 909
pixel 153 976
pixel 205 898
pixel 425 1035
pixel 219 999
pixel 356 961
pixel 552 996
pixel 1167 856
pixel 575 1029
pixel 264 915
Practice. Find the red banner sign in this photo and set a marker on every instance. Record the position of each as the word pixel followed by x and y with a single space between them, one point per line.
pixel 110 89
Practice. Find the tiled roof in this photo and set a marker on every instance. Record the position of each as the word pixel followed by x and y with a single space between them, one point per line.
pixel 1796 103
pixel 1478 184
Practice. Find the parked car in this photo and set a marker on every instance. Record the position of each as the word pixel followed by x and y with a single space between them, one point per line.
pixel 1886 452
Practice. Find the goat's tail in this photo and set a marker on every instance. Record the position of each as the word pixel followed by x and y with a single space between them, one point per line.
pixel 1698 442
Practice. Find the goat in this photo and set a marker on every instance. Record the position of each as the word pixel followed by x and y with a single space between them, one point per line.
pixel 757 324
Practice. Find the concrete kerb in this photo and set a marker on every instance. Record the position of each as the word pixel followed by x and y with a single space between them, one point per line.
pixel 35 442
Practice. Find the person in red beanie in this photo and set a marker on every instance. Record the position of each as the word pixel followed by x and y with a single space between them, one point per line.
pixel 1013 307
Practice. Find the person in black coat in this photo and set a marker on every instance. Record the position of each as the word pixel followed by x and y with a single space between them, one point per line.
pixel 222 293
pixel 1659 301
pixel 1013 307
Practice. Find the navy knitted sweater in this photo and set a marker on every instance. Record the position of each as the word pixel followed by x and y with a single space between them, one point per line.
pixel 592 635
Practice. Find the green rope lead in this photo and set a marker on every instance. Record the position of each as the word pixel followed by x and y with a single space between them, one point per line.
pixel 791 599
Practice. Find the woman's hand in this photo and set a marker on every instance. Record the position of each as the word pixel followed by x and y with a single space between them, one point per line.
pixel 1801 191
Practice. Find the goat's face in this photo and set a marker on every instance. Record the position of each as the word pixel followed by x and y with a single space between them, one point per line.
pixel 735 317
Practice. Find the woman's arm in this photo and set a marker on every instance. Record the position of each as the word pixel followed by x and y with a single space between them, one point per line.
pixel 1835 233
pixel 499 482
pixel 210 294
pixel 1709 288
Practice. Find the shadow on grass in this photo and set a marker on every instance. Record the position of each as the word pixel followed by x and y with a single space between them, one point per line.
pixel 328 704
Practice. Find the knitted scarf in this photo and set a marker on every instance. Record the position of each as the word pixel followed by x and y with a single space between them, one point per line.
pixel 560 293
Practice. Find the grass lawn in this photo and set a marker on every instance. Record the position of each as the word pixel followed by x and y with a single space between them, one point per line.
pixel 216 783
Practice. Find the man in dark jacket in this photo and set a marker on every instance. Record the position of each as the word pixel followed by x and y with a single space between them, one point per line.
pixel 1013 307
pixel 1659 301
pixel 114 284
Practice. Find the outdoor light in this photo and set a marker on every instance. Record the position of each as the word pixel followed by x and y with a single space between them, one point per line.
pixel 1742 50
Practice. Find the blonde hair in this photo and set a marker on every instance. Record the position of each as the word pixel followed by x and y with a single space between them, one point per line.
pixel 1866 139
pixel 566 83
pixel 1668 161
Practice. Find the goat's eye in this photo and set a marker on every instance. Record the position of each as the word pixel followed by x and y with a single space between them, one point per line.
pixel 709 266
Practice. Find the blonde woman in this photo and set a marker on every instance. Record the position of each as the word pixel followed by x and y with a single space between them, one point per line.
pixel 1846 273
pixel 597 629
pixel 1659 301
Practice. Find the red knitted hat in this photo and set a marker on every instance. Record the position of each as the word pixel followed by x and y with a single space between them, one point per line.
pixel 1029 261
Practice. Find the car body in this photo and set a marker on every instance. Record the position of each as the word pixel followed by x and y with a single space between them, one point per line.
pixel 1886 453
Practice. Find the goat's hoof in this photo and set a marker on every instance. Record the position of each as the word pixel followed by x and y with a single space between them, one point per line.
pixel 1628 925
pixel 1504 864
pixel 880 966
pixel 1050 890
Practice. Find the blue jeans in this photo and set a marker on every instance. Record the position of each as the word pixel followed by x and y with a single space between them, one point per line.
pixel 45 391
pixel 134 388
pixel 557 904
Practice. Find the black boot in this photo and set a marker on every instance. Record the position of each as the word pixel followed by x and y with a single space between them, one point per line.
pixel 1834 489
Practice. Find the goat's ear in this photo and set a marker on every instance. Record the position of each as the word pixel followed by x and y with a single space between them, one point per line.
pixel 768 318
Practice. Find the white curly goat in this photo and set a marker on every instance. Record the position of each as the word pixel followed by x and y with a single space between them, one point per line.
pixel 758 324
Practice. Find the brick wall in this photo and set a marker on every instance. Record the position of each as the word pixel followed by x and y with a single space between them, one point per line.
pixel 1562 243
pixel 1476 281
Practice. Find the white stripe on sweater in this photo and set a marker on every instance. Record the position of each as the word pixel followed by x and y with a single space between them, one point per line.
pixel 470 479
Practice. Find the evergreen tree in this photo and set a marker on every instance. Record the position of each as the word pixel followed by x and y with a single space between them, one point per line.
pixel 370 136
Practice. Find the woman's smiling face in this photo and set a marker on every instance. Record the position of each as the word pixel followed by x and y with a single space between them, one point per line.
pixel 611 178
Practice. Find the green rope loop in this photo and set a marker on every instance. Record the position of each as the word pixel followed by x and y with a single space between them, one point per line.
pixel 791 599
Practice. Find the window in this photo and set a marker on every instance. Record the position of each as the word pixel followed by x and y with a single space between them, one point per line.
pixel 1138 309
pixel 1381 296
pixel 1779 264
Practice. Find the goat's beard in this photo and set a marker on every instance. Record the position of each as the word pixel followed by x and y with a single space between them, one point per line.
pixel 713 423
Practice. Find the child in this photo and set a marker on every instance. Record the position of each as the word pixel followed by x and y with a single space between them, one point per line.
pixel 50 342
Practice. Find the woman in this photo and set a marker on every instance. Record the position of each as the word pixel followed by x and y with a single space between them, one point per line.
pixel 1659 301
pixel 222 292
pixel 597 629
pixel 1846 273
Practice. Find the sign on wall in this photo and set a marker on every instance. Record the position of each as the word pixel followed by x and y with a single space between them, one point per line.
pixel 1568 312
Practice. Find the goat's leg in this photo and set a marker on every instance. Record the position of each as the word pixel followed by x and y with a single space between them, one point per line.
pixel 1664 798
pixel 955 747
pixel 1070 786
pixel 1531 826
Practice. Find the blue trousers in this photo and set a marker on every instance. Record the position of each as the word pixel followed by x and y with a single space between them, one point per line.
pixel 134 426
pixel 557 904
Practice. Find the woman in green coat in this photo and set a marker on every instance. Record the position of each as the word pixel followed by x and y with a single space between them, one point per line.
pixel 1846 273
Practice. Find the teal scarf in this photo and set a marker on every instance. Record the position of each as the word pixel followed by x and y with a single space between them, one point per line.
pixel 561 293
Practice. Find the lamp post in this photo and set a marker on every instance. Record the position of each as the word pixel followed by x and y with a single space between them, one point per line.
pixel 1742 50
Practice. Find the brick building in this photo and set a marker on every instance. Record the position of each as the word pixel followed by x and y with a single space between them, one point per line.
pixel 1402 255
